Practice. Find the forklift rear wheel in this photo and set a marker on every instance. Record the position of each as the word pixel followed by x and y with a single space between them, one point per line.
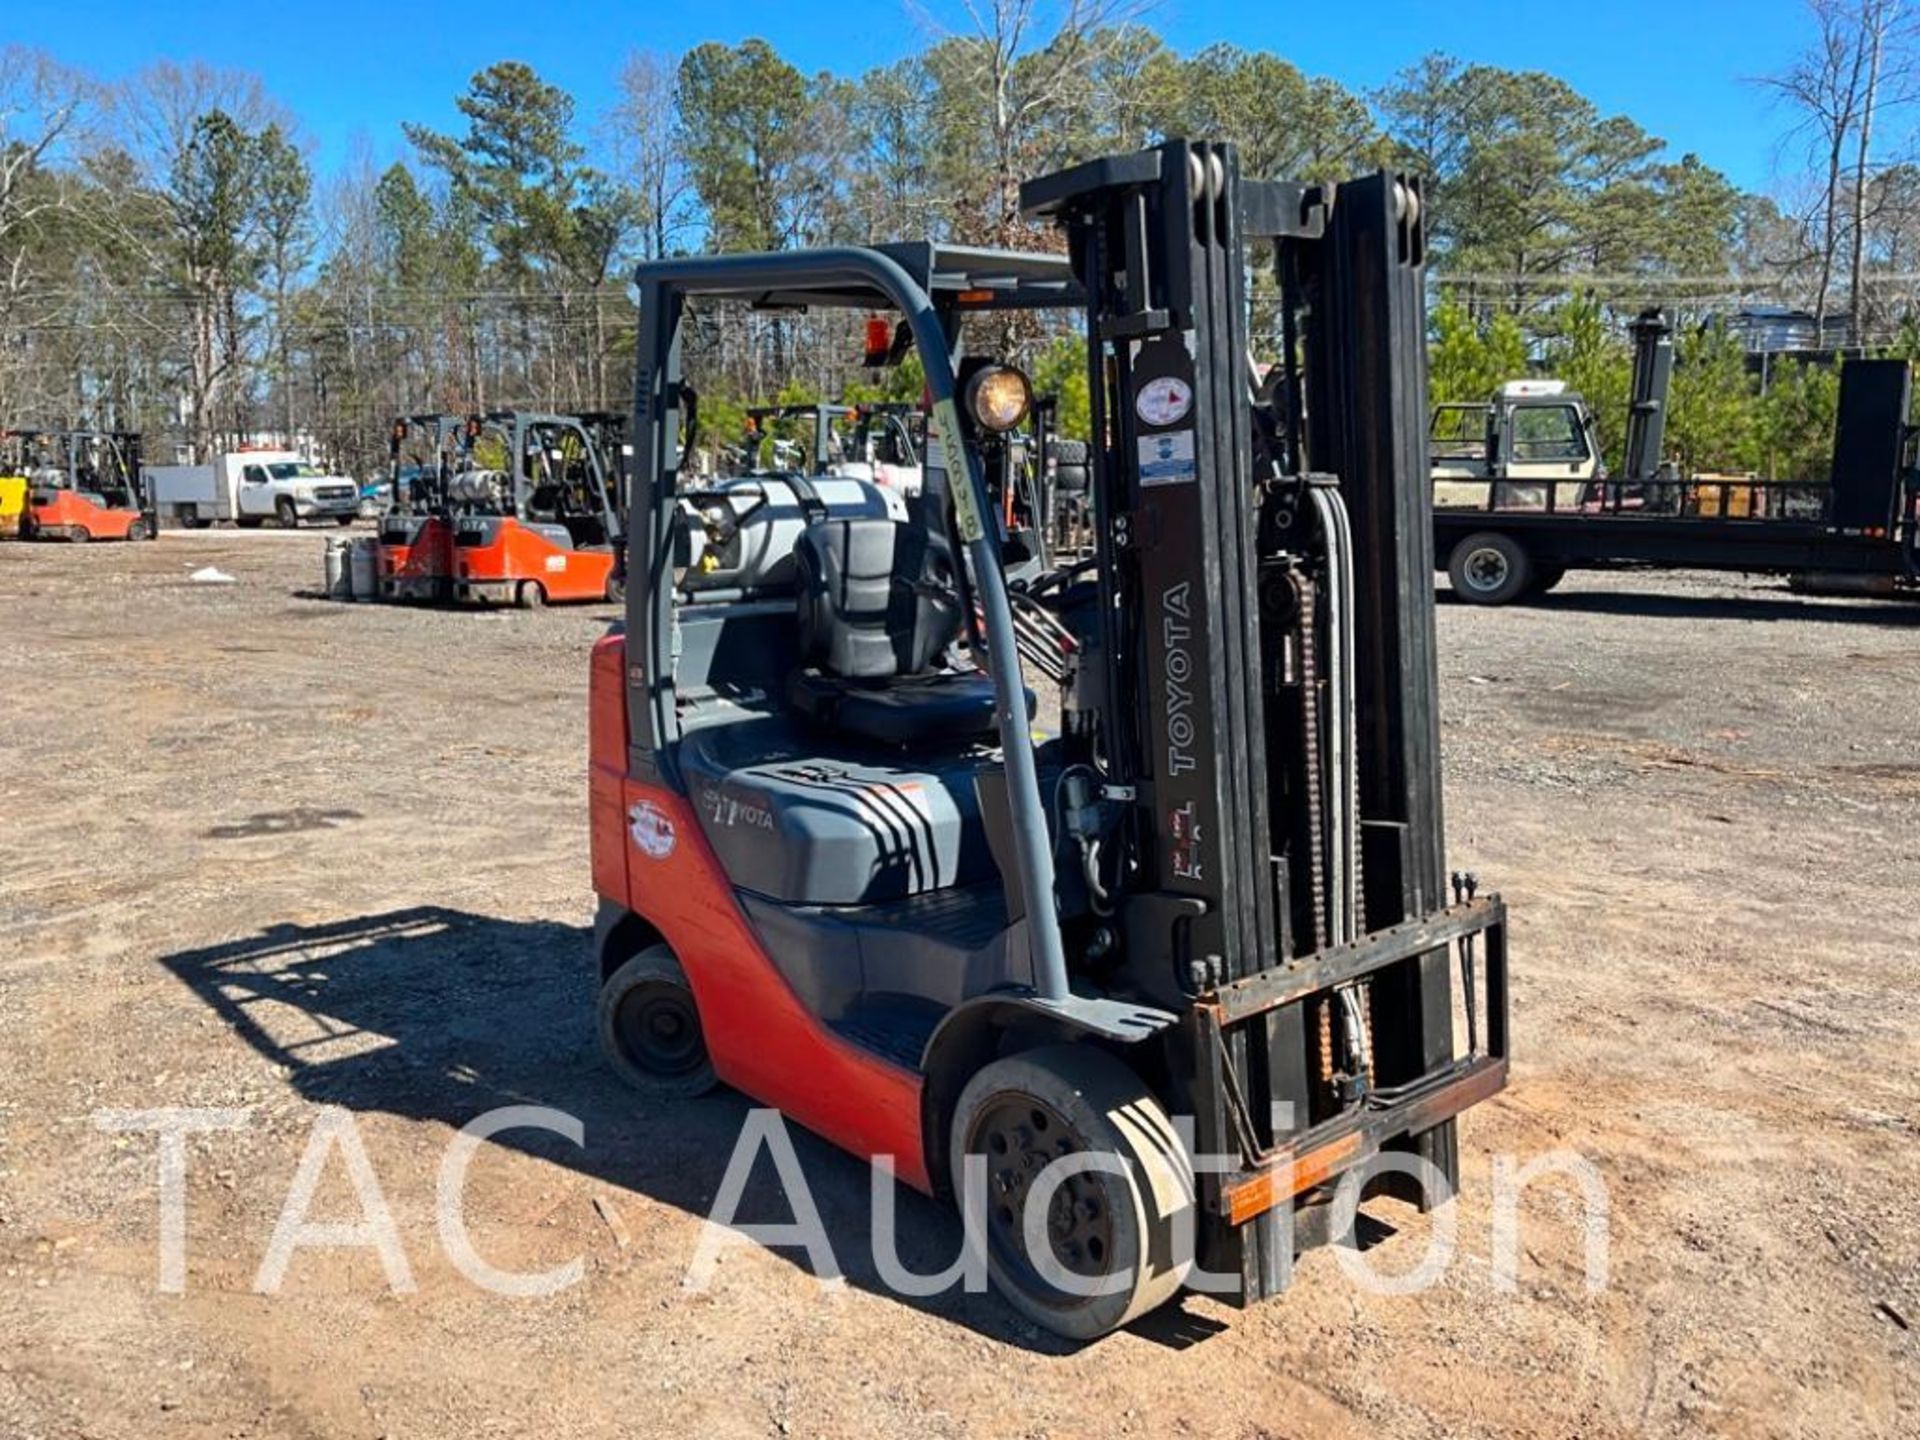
pixel 531 595
pixel 1111 1227
pixel 650 1028
pixel 1489 569
pixel 79 535
pixel 288 516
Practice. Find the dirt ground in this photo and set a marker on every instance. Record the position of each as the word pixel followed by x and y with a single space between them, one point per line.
pixel 262 851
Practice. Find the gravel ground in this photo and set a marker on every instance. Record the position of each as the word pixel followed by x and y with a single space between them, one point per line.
pixel 264 852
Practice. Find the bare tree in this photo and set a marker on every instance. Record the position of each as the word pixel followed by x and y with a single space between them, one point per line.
pixel 1029 65
pixel 42 107
pixel 639 135
pixel 1854 69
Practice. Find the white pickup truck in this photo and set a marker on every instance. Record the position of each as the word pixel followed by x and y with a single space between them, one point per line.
pixel 250 487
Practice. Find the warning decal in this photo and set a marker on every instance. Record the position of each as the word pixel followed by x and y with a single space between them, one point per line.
pixel 1167 459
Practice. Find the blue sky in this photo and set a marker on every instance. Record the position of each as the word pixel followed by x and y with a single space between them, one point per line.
pixel 352 70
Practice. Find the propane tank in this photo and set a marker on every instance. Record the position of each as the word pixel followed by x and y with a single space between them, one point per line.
pixel 339 582
pixel 742 531
pixel 363 569
pixel 487 489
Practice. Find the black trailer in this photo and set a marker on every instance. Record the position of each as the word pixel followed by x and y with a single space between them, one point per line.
pixel 1518 538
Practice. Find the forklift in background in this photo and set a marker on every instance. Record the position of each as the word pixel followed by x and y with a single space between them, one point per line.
pixel 547 527
pixel 838 870
pixel 785 456
pixel 84 485
pixel 14 484
pixel 416 532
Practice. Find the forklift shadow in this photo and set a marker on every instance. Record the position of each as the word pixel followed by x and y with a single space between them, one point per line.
pixel 442 1015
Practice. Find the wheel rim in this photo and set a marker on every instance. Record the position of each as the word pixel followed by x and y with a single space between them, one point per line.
pixel 659 1031
pixel 1020 1136
pixel 1487 569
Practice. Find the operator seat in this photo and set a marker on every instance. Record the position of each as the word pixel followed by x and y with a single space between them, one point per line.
pixel 878 605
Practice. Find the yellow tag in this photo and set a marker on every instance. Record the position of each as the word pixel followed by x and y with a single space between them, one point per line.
pixel 960 474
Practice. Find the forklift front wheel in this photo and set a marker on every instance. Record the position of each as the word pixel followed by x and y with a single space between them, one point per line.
pixel 1110 1222
pixel 1490 569
pixel 650 1028
pixel 531 595
pixel 616 590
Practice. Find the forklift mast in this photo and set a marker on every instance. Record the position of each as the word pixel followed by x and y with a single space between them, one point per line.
pixel 1652 384
pixel 1268 680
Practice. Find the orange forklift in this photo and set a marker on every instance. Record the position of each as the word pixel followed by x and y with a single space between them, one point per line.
pixel 547 528
pixel 83 485
pixel 416 532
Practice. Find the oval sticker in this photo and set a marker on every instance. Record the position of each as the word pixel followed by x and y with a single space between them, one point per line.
pixel 652 830
pixel 1164 401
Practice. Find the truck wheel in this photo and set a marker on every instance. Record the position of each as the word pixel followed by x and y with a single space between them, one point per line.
pixel 288 517
pixel 1109 1228
pixel 650 1028
pixel 343 520
pixel 1489 569
pixel 531 595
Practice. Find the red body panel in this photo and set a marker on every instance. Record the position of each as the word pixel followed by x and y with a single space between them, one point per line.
pixel 520 553
pixel 68 512
pixel 762 1039
pixel 419 569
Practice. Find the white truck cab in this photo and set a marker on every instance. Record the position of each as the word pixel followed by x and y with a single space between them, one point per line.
pixel 250 487
pixel 1530 435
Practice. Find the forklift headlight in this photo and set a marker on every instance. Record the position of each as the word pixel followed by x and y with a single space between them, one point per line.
pixel 999 397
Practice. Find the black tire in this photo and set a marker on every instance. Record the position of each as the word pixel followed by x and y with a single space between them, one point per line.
pixel 1027 1110
pixel 1545 577
pixel 530 595
pixel 285 514
pixel 79 535
pixel 1489 568
pixel 616 590
pixel 139 530
pixel 649 1028
pixel 343 521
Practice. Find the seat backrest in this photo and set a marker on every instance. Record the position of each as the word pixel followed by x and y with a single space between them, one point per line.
pixel 877 598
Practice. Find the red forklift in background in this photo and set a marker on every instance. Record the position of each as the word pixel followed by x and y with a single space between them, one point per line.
pixel 84 485
pixel 840 870
pixel 547 527
pixel 416 532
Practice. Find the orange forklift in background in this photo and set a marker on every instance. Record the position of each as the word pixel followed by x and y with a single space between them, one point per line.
pixel 84 485
pixel 416 532
pixel 547 527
